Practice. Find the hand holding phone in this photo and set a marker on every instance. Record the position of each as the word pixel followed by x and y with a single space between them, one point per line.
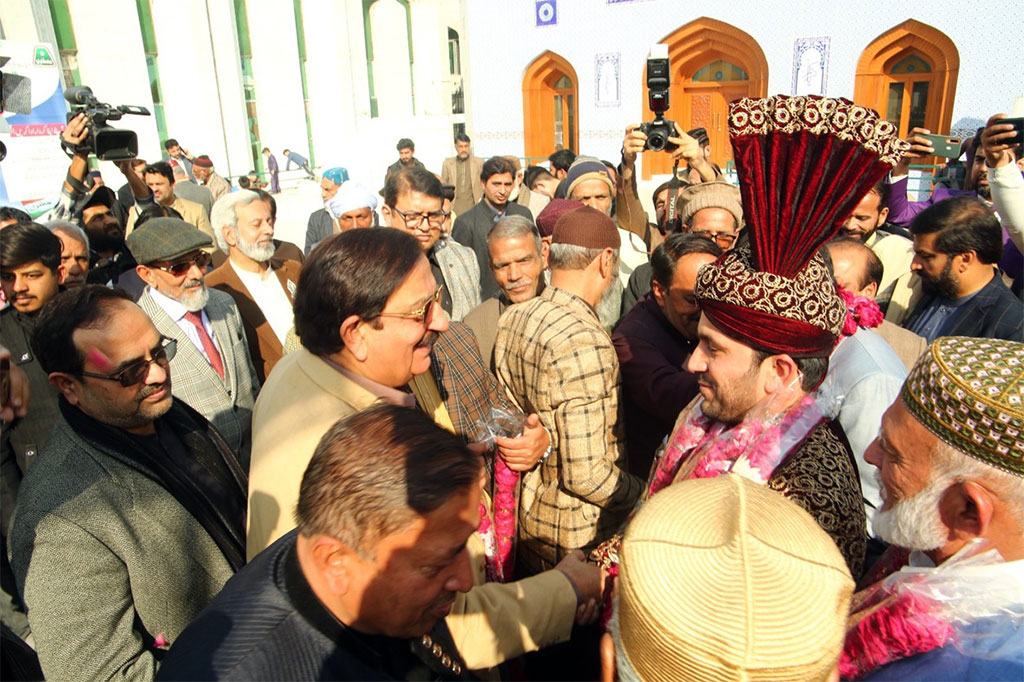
pixel 944 145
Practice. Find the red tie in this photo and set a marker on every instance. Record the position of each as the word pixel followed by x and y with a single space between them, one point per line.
pixel 208 347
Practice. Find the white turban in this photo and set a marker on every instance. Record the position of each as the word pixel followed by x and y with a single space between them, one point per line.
pixel 349 197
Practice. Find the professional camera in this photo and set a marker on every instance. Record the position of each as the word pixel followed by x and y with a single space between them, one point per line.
pixel 108 144
pixel 660 129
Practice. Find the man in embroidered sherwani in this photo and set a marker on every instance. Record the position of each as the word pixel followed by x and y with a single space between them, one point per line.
pixel 772 313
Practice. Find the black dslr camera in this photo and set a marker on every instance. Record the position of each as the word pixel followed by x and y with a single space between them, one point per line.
pixel 660 129
pixel 108 144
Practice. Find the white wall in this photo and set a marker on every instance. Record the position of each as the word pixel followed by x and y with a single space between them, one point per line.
pixel 17 22
pixel 586 28
pixel 278 80
pixel 115 68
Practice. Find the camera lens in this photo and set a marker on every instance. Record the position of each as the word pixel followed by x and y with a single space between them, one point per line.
pixel 656 141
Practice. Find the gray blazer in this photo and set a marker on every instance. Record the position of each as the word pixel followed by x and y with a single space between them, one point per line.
pixel 106 560
pixel 228 402
pixel 461 275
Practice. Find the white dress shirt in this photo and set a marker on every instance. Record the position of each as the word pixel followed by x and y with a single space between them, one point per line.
pixel 269 295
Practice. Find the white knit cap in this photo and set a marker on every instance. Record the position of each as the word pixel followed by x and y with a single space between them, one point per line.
pixel 349 197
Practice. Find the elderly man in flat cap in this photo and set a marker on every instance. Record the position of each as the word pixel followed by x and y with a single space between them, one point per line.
pixel 554 358
pixel 213 371
pixel 950 458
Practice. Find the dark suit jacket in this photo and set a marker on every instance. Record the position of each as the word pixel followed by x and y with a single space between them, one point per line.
pixel 993 313
pixel 471 230
pixel 267 624
pixel 655 387
pixel 319 228
pixel 21 440
pixel 265 348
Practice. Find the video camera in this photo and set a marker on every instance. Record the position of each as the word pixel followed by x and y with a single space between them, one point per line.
pixel 107 143
pixel 660 129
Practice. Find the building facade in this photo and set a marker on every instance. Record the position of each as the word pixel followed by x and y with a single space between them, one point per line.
pixel 339 82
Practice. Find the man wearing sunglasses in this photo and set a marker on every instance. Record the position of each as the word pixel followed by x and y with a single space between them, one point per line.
pixel 133 518
pixel 213 369
pixel 413 202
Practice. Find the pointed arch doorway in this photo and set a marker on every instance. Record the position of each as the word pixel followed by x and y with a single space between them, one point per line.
pixel 908 75
pixel 713 63
pixel 550 106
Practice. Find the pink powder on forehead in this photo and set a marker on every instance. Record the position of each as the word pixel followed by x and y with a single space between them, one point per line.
pixel 98 359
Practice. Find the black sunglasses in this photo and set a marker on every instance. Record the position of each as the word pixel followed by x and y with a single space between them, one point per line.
pixel 181 268
pixel 135 374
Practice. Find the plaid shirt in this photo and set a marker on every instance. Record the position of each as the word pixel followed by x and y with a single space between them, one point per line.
pixel 553 358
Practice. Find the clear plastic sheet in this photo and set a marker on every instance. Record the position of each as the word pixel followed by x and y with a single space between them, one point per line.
pixel 499 424
pixel 973 601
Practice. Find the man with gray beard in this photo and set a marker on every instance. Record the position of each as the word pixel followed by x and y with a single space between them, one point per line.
pixel 213 371
pixel 951 473
pixel 262 286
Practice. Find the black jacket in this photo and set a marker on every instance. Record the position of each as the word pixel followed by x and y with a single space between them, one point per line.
pixel 21 440
pixel 993 313
pixel 267 624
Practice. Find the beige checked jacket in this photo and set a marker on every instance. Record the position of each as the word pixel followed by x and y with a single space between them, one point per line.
pixel 553 358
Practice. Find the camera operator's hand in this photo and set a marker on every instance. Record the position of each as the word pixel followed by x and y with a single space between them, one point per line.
pixel 686 147
pixel 997 151
pixel 920 147
pixel 76 133
pixel 632 144
pixel 689 149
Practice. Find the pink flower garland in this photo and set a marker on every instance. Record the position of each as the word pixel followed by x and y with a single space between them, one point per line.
pixel 861 312
pixel 499 537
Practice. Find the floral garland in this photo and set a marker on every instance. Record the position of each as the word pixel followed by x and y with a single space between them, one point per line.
pixel 499 537
pixel 861 312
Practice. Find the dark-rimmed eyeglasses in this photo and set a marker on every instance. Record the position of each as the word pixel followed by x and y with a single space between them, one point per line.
pixel 723 239
pixel 421 315
pixel 416 220
pixel 181 268
pixel 136 373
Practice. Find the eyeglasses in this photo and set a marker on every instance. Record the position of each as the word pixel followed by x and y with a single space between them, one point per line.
pixel 423 314
pixel 181 268
pixel 135 374
pixel 434 220
pixel 723 239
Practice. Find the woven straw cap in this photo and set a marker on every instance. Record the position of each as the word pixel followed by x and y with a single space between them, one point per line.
pixel 724 579
pixel 970 393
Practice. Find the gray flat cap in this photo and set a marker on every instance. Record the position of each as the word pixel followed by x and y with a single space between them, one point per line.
pixel 165 239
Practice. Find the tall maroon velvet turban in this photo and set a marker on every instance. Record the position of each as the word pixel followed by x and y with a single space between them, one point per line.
pixel 803 164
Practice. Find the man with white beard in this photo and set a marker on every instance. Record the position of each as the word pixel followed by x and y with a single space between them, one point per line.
pixel 212 370
pixel 947 598
pixel 263 287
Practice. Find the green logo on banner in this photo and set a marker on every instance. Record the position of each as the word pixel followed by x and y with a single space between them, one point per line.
pixel 42 56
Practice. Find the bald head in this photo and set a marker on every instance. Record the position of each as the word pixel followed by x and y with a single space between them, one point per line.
pixel 856 267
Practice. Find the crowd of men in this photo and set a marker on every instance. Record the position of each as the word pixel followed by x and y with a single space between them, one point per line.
pixel 493 422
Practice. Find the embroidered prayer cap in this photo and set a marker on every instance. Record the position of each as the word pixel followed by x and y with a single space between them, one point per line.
pixel 717 194
pixel 165 239
pixel 550 214
pixel 803 165
pixel 587 168
pixel 724 579
pixel 970 393
pixel 586 227
pixel 349 197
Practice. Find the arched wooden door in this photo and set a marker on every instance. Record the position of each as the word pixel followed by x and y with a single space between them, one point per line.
pixel 908 74
pixel 713 63
pixel 550 106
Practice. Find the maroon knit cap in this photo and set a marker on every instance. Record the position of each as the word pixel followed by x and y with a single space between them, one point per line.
pixel 550 214
pixel 203 161
pixel 586 227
